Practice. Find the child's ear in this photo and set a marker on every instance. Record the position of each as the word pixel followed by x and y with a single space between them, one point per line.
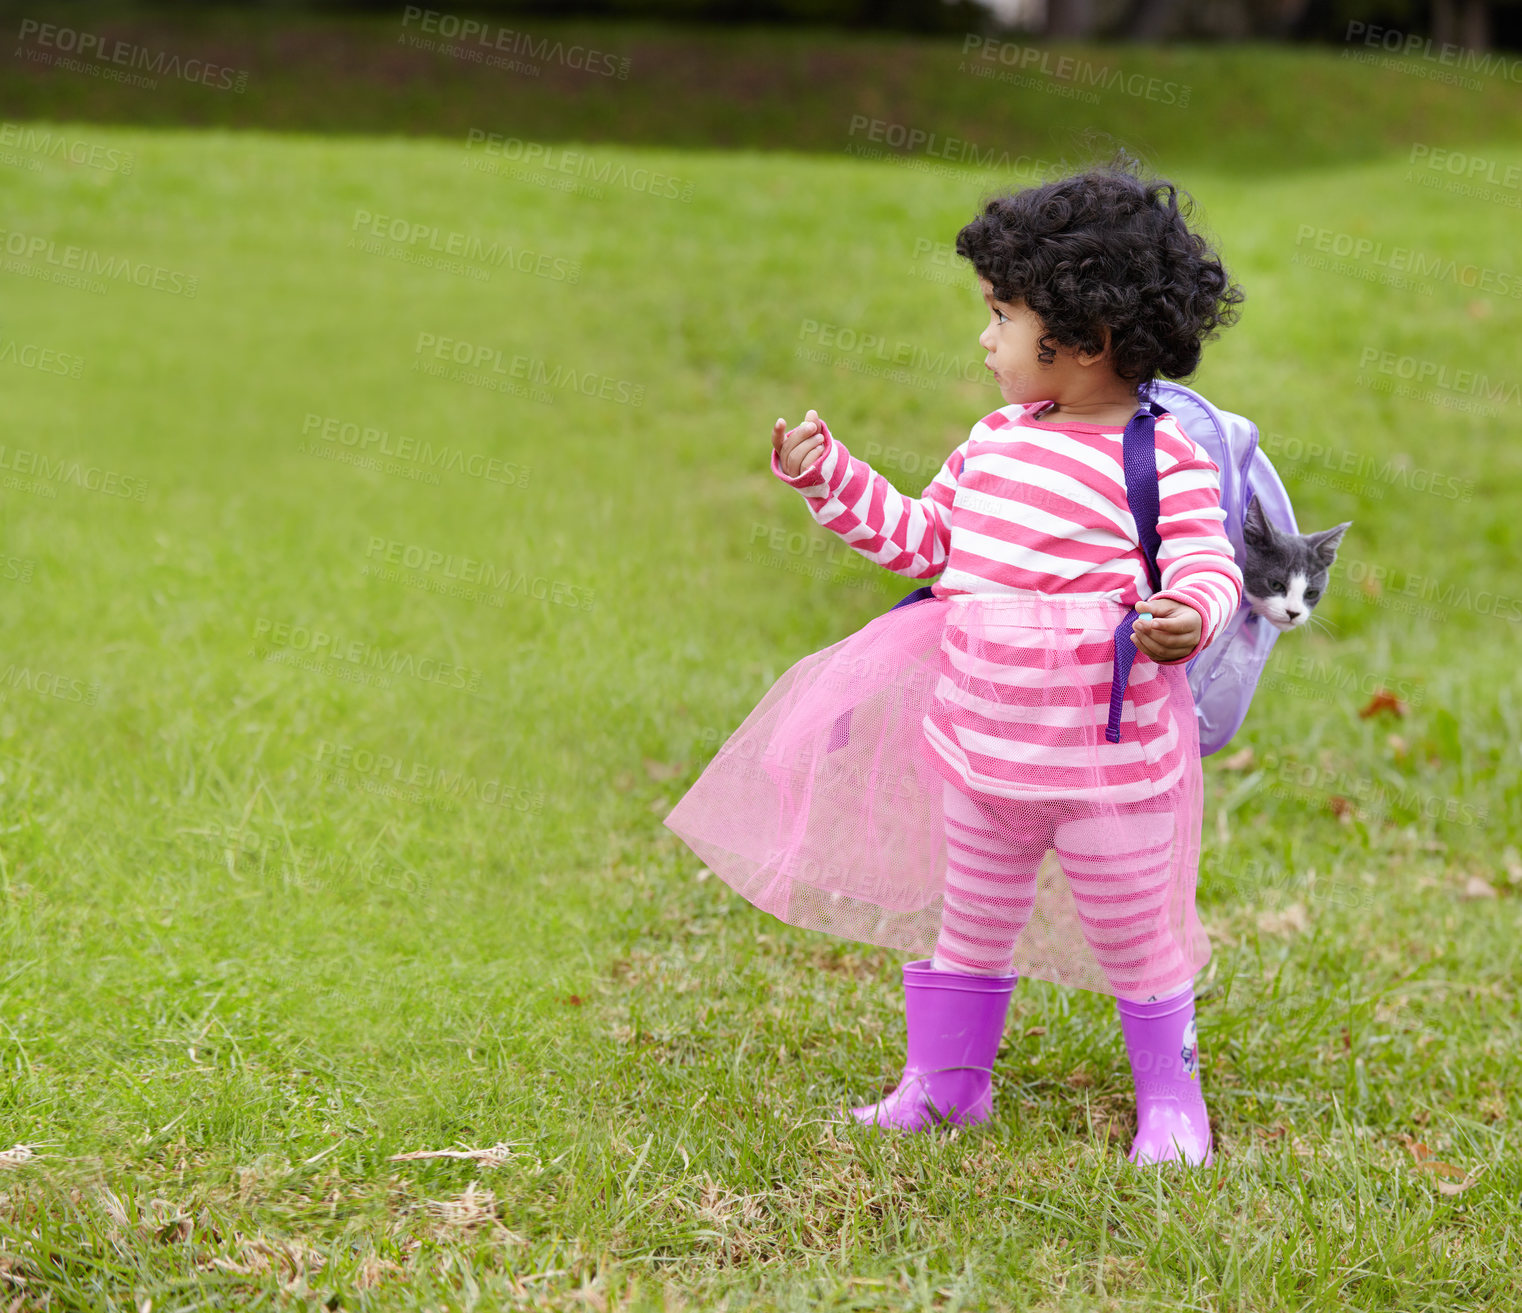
pixel 1095 357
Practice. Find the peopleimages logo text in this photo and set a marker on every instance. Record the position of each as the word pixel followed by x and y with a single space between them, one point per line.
pixel 484 357
pixel 36 248
pixel 917 141
pixel 124 54
pixel 1081 72
pixel 1469 167
pixel 426 775
pixel 474 31
pixel 1414 45
pixel 1466 381
pixel 59 145
pixel 92 478
pixel 464 246
pixel 279 635
pixel 586 168
pixel 381 442
pixel 1408 260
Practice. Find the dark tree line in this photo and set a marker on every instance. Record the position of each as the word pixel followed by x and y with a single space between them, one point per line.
pixel 1474 24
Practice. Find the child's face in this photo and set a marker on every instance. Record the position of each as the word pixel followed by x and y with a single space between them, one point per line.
pixel 1012 340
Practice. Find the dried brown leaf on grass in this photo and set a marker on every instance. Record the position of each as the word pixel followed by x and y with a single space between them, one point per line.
pixel 16 1155
pixel 1383 700
pixel 289 1259
pixel 1422 1160
pixel 176 1230
pixel 1458 1187
pixel 159 1219
pixel 720 1204
pixel 477 1207
pixel 11 1275
pixel 495 1156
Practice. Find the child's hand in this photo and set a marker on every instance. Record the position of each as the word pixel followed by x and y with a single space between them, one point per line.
pixel 1166 631
pixel 797 447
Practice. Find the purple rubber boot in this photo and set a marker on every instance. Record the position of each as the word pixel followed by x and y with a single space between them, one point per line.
pixel 954 1022
pixel 1171 1121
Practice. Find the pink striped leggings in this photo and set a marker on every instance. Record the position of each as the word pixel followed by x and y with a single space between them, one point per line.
pixel 1121 890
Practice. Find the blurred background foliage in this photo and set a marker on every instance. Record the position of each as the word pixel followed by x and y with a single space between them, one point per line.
pixel 1470 24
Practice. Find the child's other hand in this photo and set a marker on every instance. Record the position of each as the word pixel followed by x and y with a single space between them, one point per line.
pixel 795 448
pixel 1167 631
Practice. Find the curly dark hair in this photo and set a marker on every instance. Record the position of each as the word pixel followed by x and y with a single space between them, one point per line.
pixel 1106 249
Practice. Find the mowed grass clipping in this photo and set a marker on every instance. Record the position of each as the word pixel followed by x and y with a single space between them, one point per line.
pixel 332 781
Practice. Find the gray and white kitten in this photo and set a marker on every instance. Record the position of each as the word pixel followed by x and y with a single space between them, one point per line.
pixel 1285 574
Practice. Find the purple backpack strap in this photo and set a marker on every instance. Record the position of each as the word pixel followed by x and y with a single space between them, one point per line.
pixel 1138 454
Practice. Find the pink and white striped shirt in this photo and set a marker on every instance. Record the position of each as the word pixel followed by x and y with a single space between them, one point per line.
pixel 1028 507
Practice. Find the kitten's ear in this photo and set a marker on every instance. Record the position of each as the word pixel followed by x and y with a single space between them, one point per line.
pixel 1255 527
pixel 1325 543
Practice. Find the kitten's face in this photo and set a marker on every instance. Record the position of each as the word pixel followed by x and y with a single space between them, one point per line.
pixel 1285 574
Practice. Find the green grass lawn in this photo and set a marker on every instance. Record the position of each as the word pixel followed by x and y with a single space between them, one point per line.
pixel 332 764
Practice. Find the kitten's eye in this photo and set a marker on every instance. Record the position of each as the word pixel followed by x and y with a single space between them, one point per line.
pixel 1276 586
pixel 1311 594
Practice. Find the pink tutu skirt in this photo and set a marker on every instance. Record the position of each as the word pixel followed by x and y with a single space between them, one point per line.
pixel 826 808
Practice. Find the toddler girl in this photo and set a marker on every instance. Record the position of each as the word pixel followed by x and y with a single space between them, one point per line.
pixel 903 786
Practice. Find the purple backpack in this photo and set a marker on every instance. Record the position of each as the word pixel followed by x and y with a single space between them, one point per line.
pixel 1224 675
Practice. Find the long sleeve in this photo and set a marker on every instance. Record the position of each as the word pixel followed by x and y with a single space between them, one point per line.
pixel 909 535
pixel 1195 558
